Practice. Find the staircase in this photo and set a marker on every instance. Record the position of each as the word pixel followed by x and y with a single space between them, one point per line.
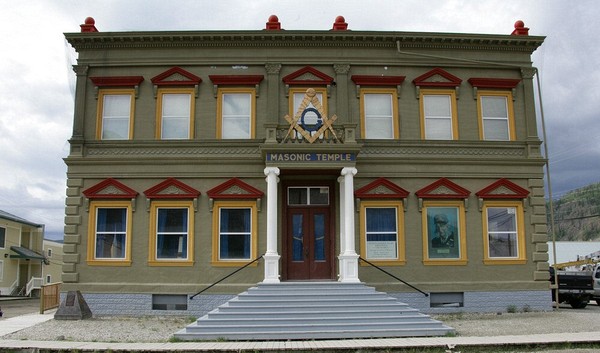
pixel 312 310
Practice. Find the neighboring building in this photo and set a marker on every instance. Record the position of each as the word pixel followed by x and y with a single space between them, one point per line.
pixel 418 152
pixel 21 256
pixel 53 250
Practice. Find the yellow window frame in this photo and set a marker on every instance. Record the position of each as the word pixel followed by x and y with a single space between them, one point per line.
pixel 159 105
pixel 302 90
pixel 239 90
pixel 218 205
pixel 91 239
pixel 100 111
pixel 400 242
pixel 453 109
pixel 363 117
pixel 509 106
pixel 461 227
pixel 522 251
pixel 152 241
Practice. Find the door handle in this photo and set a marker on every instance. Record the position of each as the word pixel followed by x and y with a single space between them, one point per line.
pixel 306 253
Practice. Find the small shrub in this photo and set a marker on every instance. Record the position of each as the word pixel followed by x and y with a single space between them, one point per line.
pixel 511 309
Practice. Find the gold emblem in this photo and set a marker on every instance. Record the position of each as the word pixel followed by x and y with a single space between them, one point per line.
pixel 310 120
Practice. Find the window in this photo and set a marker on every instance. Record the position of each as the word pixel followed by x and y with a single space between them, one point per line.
pixel 504 239
pixel 175 114
pixel 438 115
pixel 48 279
pixel 49 252
pixel 310 121
pixel 444 239
pixel 171 233
pixel 382 232
pixel 234 232
pixel 496 122
pixel 313 195
pixel 379 117
pixel 115 114
pixel 2 237
pixel 235 111
pixel 109 238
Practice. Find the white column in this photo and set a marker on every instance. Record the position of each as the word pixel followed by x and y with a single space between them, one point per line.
pixel 271 256
pixel 348 258
pixel 342 227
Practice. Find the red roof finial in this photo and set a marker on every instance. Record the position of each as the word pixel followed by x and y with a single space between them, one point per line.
pixel 273 23
pixel 520 29
pixel 340 24
pixel 89 25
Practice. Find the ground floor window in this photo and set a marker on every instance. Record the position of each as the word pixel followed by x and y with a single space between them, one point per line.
pixel 109 235
pixel 444 238
pixel 504 240
pixel 382 232
pixel 234 232
pixel 171 233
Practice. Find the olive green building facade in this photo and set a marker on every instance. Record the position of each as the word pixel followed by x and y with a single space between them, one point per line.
pixel 195 152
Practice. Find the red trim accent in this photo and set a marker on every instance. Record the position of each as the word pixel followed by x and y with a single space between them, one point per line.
pixel 340 24
pixel 292 79
pixel 88 25
pixel 396 191
pixel 488 191
pixel 94 191
pixel 236 79
pixel 154 192
pixel 459 191
pixel 377 80
pixel 117 81
pixel 192 79
pixel 273 23
pixel 218 191
pixel 482 82
pixel 453 81
pixel 520 29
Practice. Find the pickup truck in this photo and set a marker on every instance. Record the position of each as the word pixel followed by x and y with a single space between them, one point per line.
pixel 596 279
pixel 574 287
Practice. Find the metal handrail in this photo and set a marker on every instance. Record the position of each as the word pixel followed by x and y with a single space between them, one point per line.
pixel 393 276
pixel 229 275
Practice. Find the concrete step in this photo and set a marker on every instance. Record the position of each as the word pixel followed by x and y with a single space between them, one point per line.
pixel 307 310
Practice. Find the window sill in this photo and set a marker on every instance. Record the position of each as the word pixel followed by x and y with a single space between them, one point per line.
pixel 109 262
pixel 445 262
pixel 171 263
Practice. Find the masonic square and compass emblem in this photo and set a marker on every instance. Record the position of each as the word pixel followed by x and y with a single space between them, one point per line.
pixel 310 120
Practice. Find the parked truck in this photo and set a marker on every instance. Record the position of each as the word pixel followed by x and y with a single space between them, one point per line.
pixel 596 279
pixel 574 287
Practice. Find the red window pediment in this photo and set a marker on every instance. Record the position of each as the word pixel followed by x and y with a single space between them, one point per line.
pixel 238 80
pixel 381 189
pixel 117 81
pixel 507 83
pixel 502 189
pixel 437 78
pixel 443 189
pixel 307 76
pixel 110 189
pixel 234 189
pixel 176 76
pixel 365 80
pixel 171 188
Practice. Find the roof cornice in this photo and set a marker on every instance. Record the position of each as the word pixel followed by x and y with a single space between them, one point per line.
pixel 403 40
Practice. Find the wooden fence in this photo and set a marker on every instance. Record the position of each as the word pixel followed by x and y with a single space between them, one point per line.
pixel 49 297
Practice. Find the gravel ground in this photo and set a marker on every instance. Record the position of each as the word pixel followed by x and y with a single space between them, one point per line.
pixel 161 329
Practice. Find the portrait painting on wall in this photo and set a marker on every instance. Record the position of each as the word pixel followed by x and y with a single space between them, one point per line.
pixel 443 237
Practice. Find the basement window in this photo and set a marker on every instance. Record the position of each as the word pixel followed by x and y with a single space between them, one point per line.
pixel 446 300
pixel 169 302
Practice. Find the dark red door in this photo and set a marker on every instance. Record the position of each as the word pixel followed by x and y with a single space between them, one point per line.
pixel 308 243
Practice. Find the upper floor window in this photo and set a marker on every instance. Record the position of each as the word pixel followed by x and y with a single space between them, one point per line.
pixel 176 92
pixel 2 237
pixel 236 105
pixel 115 114
pixel 495 107
pixel 235 111
pixel 379 113
pixel 175 114
pixel 116 102
pixel 438 115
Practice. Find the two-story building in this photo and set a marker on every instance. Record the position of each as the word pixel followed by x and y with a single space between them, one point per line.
pixel 193 153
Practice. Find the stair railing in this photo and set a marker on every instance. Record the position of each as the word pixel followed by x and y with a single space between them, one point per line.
pixel 393 276
pixel 229 275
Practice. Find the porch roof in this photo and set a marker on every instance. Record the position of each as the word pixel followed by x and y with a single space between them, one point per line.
pixel 24 253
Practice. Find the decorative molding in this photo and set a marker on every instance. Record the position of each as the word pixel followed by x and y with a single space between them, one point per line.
pixel 502 189
pixel 176 76
pixel 494 83
pixel 437 78
pixel 307 75
pixel 381 188
pixel 341 68
pixel 272 68
pixel 117 81
pixel 443 188
pixel 236 80
pixel 171 188
pixel 110 189
pixel 210 151
pixel 234 189
pixel 368 80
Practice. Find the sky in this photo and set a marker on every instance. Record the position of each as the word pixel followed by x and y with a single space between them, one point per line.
pixel 37 81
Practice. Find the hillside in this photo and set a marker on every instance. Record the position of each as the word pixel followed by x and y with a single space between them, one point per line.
pixel 577 215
